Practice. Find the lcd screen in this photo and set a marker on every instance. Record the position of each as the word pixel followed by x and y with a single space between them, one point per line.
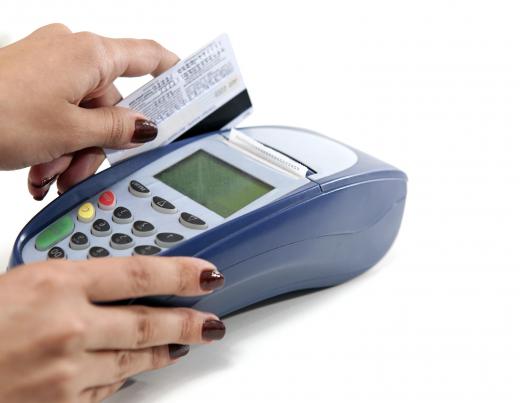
pixel 213 183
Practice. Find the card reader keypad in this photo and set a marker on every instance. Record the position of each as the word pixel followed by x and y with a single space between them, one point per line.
pixel 97 251
pixel 121 241
pixel 163 206
pixel 105 228
pixel 138 189
pixel 79 241
pixel 143 228
pixel 168 239
pixel 101 228
pixel 155 207
pixel 192 221
pixel 122 216
pixel 146 250
pixel 56 253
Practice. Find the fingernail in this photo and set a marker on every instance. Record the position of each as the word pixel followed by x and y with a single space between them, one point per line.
pixel 145 131
pixel 178 350
pixel 41 196
pixel 44 182
pixel 211 280
pixel 213 329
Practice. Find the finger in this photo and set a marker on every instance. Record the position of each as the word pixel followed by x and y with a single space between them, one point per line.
pixel 82 165
pixel 112 279
pixel 109 126
pixel 109 367
pixel 116 127
pixel 113 58
pixel 100 393
pixel 113 127
pixel 135 327
pixel 85 163
pixel 109 97
pixel 165 65
pixel 42 176
pixel 137 57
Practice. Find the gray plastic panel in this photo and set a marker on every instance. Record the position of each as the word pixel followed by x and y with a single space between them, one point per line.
pixel 141 206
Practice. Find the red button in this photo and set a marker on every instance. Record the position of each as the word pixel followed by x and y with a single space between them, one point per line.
pixel 107 200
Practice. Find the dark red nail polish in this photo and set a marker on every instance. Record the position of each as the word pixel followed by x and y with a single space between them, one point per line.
pixel 211 280
pixel 44 182
pixel 178 350
pixel 213 329
pixel 145 131
pixel 41 196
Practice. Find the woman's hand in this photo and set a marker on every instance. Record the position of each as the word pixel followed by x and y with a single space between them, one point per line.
pixel 57 346
pixel 56 97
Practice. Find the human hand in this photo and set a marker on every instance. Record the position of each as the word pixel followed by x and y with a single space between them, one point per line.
pixel 56 97
pixel 57 346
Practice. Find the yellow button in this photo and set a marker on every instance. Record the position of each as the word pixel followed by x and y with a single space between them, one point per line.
pixel 86 212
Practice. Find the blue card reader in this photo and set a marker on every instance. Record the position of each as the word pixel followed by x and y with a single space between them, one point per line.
pixel 276 209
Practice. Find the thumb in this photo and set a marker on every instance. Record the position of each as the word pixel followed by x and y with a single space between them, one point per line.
pixel 113 127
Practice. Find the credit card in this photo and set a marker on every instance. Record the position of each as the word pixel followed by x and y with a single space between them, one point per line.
pixel 202 93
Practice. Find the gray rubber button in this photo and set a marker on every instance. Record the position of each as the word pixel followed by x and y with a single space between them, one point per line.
pixel 146 250
pixel 56 253
pixel 143 228
pixel 138 189
pixel 101 228
pixel 168 239
pixel 97 251
pixel 121 241
pixel 79 241
pixel 122 215
pixel 192 221
pixel 163 206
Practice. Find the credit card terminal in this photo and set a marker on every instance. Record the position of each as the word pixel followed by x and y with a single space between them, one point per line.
pixel 276 209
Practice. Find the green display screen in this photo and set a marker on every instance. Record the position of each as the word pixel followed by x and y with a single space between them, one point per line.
pixel 213 183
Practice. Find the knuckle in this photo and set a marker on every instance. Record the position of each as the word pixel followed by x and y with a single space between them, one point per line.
pixel 159 357
pixel 92 49
pixel 114 126
pixel 183 283
pixel 183 279
pixel 67 338
pixel 58 27
pixel 189 328
pixel 53 278
pixel 75 334
pixel 124 363
pixel 144 328
pixel 90 42
pixel 139 275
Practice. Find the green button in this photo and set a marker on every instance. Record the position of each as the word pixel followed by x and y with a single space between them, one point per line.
pixel 54 233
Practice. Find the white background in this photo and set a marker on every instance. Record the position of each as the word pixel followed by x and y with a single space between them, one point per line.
pixel 431 87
